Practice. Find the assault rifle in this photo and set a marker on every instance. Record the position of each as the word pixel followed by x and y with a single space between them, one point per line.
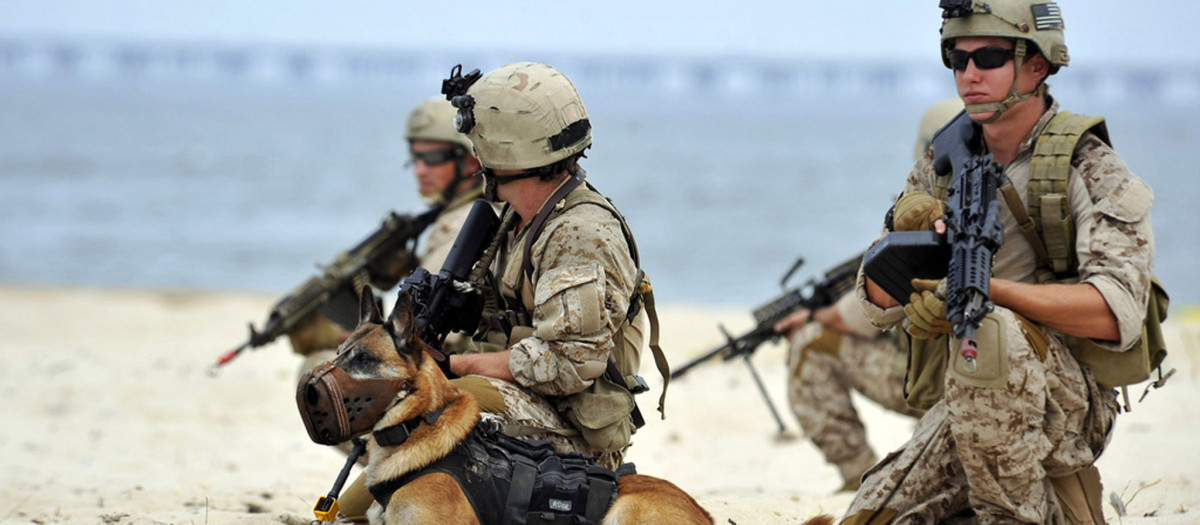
pixel 973 230
pixel 973 234
pixel 813 294
pixel 334 290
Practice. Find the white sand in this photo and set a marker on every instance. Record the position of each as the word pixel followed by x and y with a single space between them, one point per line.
pixel 112 417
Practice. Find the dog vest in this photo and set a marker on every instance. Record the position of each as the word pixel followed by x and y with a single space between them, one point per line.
pixel 513 481
pixel 1047 223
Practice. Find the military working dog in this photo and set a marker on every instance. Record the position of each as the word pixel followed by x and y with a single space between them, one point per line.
pixel 384 386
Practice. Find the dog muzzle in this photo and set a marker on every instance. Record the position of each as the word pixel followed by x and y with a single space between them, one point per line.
pixel 336 407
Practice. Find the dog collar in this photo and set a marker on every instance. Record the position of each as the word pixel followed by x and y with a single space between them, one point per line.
pixel 397 434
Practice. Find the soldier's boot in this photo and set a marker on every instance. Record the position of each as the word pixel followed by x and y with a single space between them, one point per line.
pixel 1080 496
pixel 853 469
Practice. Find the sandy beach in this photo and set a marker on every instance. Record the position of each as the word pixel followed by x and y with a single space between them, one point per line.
pixel 112 417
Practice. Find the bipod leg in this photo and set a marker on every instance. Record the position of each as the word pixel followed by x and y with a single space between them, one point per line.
pixel 763 390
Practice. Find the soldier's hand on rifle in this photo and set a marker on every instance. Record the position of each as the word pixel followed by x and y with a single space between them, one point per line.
pixel 926 310
pixel 386 271
pixel 793 321
pixel 917 211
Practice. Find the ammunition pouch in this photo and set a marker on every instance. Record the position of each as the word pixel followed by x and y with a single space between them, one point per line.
pixel 1116 369
pixel 602 414
pixel 991 371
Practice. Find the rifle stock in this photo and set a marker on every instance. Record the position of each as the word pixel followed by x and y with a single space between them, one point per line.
pixel 337 283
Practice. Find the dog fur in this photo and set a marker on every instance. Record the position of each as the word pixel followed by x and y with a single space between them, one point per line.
pixel 390 348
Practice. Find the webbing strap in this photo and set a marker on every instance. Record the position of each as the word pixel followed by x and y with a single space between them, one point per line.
pixel 660 358
pixel 599 498
pixel 1028 229
pixel 520 492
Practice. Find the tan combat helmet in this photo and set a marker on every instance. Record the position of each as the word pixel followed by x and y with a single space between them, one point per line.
pixel 935 118
pixel 1024 21
pixel 527 115
pixel 433 120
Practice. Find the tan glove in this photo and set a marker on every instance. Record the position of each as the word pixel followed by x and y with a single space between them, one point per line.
pixel 926 310
pixel 917 212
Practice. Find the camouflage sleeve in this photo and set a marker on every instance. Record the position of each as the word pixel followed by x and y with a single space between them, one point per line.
pixel 583 279
pixel 920 178
pixel 1113 239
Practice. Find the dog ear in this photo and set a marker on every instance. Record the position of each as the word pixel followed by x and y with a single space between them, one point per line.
pixel 368 307
pixel 401 319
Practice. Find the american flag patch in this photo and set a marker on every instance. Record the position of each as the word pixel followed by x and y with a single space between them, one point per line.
pixel 1046 16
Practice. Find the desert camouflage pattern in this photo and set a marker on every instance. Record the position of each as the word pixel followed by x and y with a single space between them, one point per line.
pixel 535 418
pixel 819 387
pixel 442 233
pixel 1042 417
pixel 578 293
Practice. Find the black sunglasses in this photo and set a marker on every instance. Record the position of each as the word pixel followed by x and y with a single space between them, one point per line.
pixel 985 58
pixel 433 158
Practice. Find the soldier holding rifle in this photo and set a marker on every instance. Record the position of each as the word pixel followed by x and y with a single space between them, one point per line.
pixel 1012 433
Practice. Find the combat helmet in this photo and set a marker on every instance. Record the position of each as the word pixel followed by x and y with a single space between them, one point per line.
pixel 523 116
pixel 433 120
pixel 1025 21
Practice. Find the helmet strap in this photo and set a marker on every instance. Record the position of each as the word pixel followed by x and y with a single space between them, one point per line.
pixel 1014 95
pixel 460 175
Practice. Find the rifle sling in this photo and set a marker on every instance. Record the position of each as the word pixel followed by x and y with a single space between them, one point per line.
pixel 1028 228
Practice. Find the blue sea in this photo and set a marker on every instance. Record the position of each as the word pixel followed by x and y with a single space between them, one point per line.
pixel 231 184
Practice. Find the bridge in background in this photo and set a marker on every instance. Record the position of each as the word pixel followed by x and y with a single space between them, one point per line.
pixel 719 76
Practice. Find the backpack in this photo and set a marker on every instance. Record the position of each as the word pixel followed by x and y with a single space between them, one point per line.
pixel 1048 225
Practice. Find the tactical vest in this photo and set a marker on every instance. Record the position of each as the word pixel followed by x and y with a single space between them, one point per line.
pixel 1047 223
pixel 605 413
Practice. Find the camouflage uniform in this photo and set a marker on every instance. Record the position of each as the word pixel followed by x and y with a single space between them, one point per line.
pixel 442 233
pixel 824 366
pixel 577 295
pixel 991 445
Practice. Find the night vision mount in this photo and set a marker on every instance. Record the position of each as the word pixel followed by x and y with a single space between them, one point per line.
pixel 455 88
pixel 960 8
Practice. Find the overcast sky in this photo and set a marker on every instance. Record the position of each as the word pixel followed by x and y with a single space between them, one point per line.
pixel 1097 30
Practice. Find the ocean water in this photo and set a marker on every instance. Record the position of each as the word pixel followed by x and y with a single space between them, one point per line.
pixel 244 186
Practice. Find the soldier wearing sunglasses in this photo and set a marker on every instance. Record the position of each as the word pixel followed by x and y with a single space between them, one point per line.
pixel 447 173
pixel 1016 440
pixel 448 177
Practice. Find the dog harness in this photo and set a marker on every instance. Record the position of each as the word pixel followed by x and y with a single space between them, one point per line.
pixel 513 481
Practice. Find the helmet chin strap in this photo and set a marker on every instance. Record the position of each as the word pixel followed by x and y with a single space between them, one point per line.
pixel 451 189
pixel 1014 95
